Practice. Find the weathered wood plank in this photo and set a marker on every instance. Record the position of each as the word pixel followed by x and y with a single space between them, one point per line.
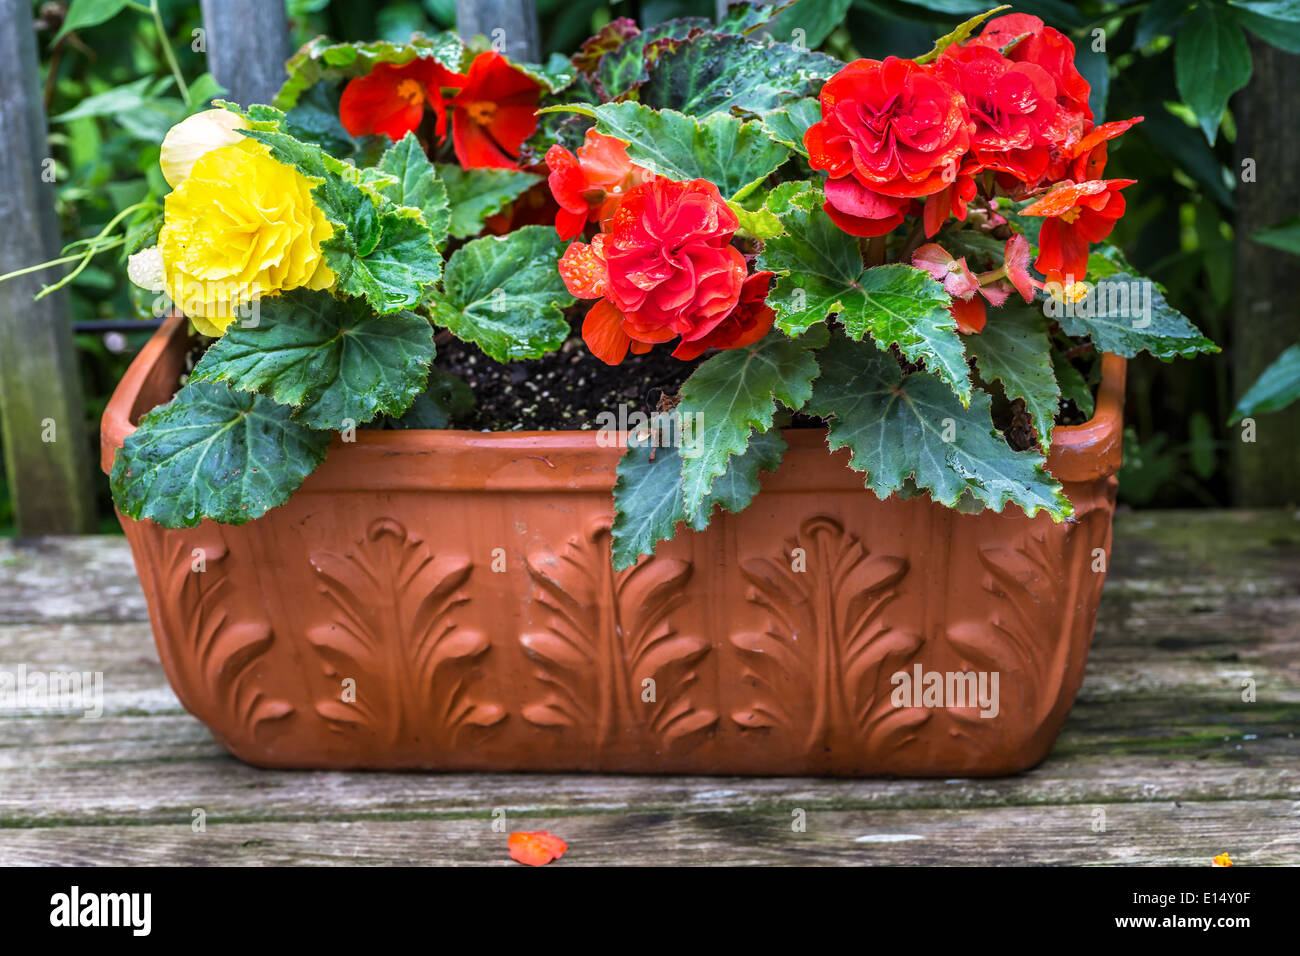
pixel 1256 833
pixel 510 25
pixel 69 579
pixel 168 787
pixel 1267 470
pixel 47 454
pixel 248 42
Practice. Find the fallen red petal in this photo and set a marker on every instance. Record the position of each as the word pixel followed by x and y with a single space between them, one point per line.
pixel 536 849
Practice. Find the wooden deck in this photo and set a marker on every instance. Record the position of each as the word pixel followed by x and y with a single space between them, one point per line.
pixel 1160 743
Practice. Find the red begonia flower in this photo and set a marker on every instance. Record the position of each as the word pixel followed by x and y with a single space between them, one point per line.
pixel 748 322
pixel 890 131
pixel 1024 38
pixel 951 200
pixel 390 100
pixel 602 330
pixel 1013 106
pixel 665 266
pixel 1074 216
pixel 1015 266
pixel 958 281
pixel 1088 156
pixel 494 113
pixel 971 314
pixel 592 184
pixel 536 849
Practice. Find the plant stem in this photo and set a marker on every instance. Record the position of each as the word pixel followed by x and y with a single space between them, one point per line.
pixel 85 261
pixel 38 267
pixel 169 53
pixel 875 251
pixel 913 241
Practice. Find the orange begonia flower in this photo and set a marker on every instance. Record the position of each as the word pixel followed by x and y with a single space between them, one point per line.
pixel 1075 214
pixel 494 113
pixel 391 99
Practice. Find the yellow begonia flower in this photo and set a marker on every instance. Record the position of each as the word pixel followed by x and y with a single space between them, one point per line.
pixel 241 225
pixel 195 136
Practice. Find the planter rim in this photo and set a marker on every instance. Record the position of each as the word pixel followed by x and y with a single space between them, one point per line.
pixel 548 461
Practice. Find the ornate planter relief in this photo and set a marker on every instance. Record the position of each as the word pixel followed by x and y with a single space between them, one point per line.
pixel 211 670
pixel 391 629
pixel 820 663
pixel 609 633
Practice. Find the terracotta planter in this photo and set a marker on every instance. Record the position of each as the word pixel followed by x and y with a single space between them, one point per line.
pixel 462 580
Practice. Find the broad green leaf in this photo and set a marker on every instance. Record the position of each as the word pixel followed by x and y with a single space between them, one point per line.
pixel 1013 349
pixel 315 119
pixel 759 223
pixel 807 23
pixel 320 59
pixel 140 107
pixel 821 272
pixel 734 155
pixel 418 185
pixel 624 68
pixel 712 73
pixel 788 124
pixel 1074 387
pixel 648 502
pixel 203 91
pixel 554 75
pixel 1274 390
pixel 333 360
pixel 1284 236
pixel 475 194
pixel 1276 22
pixel 730 395
pixel 212 452
pixel 960 35
pixel 390 265
pixel 913 427
pixel 735 488
pixel 446 400
pixel 745 18
pixel 505 294
pixel 82 14
pixel 1126 315
pixel 1211 62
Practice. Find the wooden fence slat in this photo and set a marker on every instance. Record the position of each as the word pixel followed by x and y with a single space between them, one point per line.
pixel 248 42
pixel 42 417
pixel 1266 317
pixel 516 19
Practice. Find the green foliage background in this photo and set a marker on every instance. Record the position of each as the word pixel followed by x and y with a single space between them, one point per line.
pixel 1178 229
